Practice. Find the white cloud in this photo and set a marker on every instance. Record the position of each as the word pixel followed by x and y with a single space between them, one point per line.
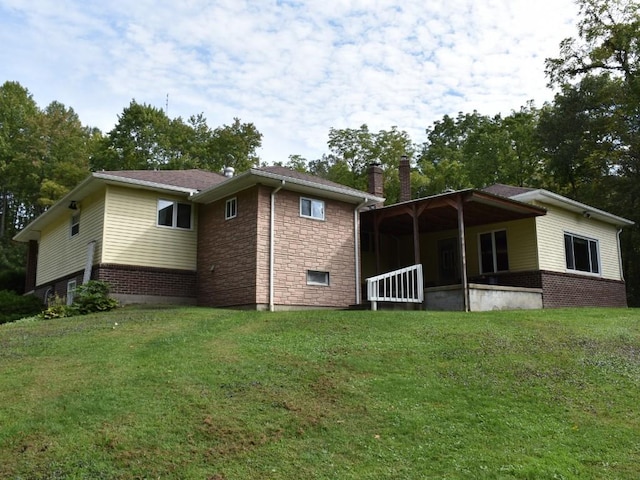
pixel 293 68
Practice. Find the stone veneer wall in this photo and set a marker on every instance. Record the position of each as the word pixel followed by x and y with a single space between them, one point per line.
pixel 304 244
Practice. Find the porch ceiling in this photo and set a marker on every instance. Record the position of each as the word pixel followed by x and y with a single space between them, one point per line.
pixel 439 212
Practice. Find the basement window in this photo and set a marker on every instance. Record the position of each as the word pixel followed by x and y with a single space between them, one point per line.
pixel 310 208
pixel 231 208
pixel 582 254
pixel 71 291
pixel 316 277
pixel 174 214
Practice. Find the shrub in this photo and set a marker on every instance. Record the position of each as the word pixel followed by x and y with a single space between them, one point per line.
pixel 57 308
pixel 14 306
pixel 12 279
pixel 93 296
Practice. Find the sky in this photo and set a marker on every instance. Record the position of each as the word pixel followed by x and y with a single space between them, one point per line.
pixel 293 68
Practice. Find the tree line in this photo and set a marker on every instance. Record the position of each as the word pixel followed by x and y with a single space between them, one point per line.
pixel 584 144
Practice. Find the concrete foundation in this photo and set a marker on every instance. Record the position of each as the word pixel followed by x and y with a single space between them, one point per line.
pixel 483 298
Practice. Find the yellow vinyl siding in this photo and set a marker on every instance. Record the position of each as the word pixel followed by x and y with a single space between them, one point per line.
pixel 551 230
pixel 521 245
pixel 132 236
pixel 60 254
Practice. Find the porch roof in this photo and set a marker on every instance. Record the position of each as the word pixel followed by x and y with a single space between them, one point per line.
pixel 439 212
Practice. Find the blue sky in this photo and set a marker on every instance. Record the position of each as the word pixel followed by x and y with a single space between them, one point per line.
pixel 293 68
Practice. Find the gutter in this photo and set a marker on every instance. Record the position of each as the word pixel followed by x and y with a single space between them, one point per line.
pixel 272 215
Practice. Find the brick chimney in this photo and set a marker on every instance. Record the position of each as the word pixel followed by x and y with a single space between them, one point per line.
pixel 376 180
pixel 405 179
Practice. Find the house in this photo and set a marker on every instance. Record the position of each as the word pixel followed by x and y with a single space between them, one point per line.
pixel 272 238
pixel 500 247
pixel 267 238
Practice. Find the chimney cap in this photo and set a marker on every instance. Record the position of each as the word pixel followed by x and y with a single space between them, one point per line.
pixel 229 171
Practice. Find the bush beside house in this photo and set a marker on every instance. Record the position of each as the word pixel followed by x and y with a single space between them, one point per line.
pixel 14 306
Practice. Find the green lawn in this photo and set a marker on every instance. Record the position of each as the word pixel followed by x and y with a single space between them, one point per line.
pixel 201 393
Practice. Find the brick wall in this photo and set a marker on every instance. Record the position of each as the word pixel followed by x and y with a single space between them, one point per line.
pixel 527 279
pixel 147 281
pixel 569 290
pixel 57 287
pixel 563 289
pixel 227 251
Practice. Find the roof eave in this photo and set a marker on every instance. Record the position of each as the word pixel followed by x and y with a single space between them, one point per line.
pixel 254 176
pixel 575 206
pixel 115 179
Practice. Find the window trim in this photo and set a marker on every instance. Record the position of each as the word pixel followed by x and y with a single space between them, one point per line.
pixel 174 214
pixel 325 283
pixel 231 203
pixel 589 241
pixel 493 251
pixel 75 223
pixel 312 201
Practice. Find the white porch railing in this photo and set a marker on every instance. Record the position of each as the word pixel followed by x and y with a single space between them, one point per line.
pixel 402 286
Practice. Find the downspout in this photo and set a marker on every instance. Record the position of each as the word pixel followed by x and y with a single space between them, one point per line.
pixel 272 215
pixel 356 246
pixel 620 254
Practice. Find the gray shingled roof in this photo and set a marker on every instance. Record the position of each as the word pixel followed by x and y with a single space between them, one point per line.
pixel 288 172
pixel 506 190
pixel 194 179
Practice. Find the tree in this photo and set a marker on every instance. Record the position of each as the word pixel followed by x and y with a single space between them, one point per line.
pixel 352 150
pixel 43 154
pixel 592 130
pixel 474 150
pixel 145 138
pixel 139 141
pixel 18 112
pixel 60 154
pixel 609 41
pixel 234 146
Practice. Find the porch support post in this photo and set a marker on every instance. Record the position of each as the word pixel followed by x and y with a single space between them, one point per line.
pixel 463 254
pixel 416 236
pixel 376 239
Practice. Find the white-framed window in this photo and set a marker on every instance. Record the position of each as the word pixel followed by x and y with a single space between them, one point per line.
pixel 75 224
pixel 493 252
pixel 316 277
pixel 71 291
pixel 310 208
pixel 174 214
pixel 231 208
pixel 582 254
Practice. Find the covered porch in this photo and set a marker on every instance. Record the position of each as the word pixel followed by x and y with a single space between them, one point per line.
pixel 477 250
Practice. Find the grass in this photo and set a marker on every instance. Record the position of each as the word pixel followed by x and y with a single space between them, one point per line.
pixel 200 393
